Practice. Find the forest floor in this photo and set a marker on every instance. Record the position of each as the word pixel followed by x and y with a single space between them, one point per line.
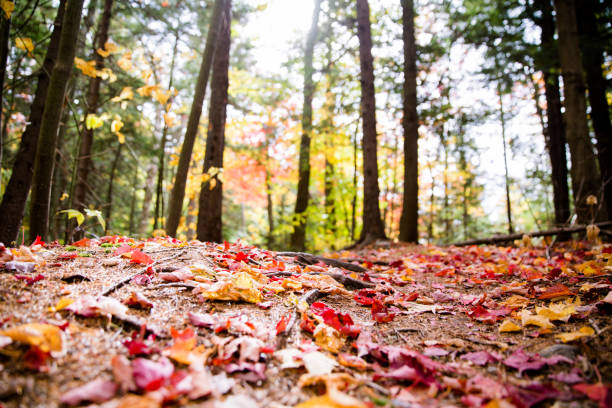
pixel 125 323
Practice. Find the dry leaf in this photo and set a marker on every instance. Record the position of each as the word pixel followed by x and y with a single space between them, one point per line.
pixel 509 326
pixel 46 337
pixel 583 332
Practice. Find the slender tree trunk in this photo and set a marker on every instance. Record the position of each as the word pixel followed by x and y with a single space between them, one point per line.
pixel 446 202
pixel 409 231
pixel 432 202
pixel 15 196
pixel 145 219
pixel 159 190
pixel 591 45
pixel 5 31
pixel 298 238
pixel 502 118
pixel 269 208
pixel 354 200
pixel 93 97
pixel 109 194
pixel 175 206
pixel 585 176
pixel 192 218
pixel 210 225
pixel 133 202
pixel 373 227
pixel 45 153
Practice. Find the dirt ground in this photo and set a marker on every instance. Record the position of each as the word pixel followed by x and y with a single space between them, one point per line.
pixel 119 323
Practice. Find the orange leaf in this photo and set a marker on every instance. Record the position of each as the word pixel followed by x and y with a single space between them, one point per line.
pixel 555 291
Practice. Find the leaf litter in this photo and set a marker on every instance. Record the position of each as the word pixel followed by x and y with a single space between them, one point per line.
pixel 164 322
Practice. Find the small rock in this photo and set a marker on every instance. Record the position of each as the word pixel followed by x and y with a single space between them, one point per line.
pixel 564 350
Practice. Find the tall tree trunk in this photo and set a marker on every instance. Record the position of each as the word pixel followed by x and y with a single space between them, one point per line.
pixel 555 130
pixel 159 190
pixel 373 227
pixel 591 44
pixel 354 200
pixel 409 231
pixel 5 31
pixel 175 206
pixel 145 220
pixel 502 118
pixel 210 226
pixel 585 176
pixel 298 238
pixel 133 202
pixel 111 183
pixel 45 153
pixel 15 196
pixel 269 207
pixel 192 218
pixel 93 97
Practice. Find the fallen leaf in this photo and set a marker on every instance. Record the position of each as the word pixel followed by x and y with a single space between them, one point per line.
pixel 509 326
pixel 528 318
pixel 46 337
pixel 97 391
pixel 317 363
pixel 150 375
pixel 583 332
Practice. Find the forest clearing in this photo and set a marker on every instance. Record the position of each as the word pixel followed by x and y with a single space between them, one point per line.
pixel 311 204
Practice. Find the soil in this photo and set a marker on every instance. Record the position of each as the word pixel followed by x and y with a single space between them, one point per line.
pixel 441 302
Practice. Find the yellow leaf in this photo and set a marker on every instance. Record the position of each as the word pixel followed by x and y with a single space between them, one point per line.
pixel 107 74
pixel 25 44
pixel 583 332
pixel 111 47
pixel 333 397
pixel 61 304
pixel 161 96
pixel 145 75
pixel 93 122
pixel 509 326
pixel 116 125
pixel 558 311
pixel 168 120
pixel 120 137
pixel 212 184
pixel 535 320
pixel 45 336
pixel 8 7
pixel 146 90
pixel 64 196
pixel 86 67
pixel 125 62
pixel 240 287
pixel 126 93
pixel 103 53
pixel 328 338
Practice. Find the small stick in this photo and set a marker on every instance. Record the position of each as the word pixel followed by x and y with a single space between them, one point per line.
pixel 347 281
pixel 309 297
pixel 125 281
pixel 310 259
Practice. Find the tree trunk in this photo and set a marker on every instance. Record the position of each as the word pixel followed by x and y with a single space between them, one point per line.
pixel 210 226
pixel 191 219
pixel 298 238
pixel 502 116
pixel 592 57
pixel 93 97
pixel 555 131
pixel 269 207
pixel 109 194
pixel 354 200
pixel 159 190
pixel 5 31
pixel 373 227
pixel 585 176
pixel 15 196
pixel 409 231
pixel 146 204
pixel 175 206
pixel 45 153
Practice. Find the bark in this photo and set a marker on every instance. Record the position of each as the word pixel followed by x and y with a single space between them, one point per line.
pixel 45 153
pixel 159 191
pixel 109 194
pixel 146 204
pixel 269 208
pixel 502 117
pixel 210 226
pixel 354 199
pixel 191 218
pixel 298 238
pixel 545 233
pixel 409 231
pixel 592 58
pixel 93 97
pixel 585 175
pixel 15 196
pixel 175 206
pixel 554 131
pixel 5 30
pixel 373 227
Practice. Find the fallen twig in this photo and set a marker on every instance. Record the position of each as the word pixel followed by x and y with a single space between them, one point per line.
pixel 309 259
pixel 309 297
pixel 512 237
pixel 347 281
